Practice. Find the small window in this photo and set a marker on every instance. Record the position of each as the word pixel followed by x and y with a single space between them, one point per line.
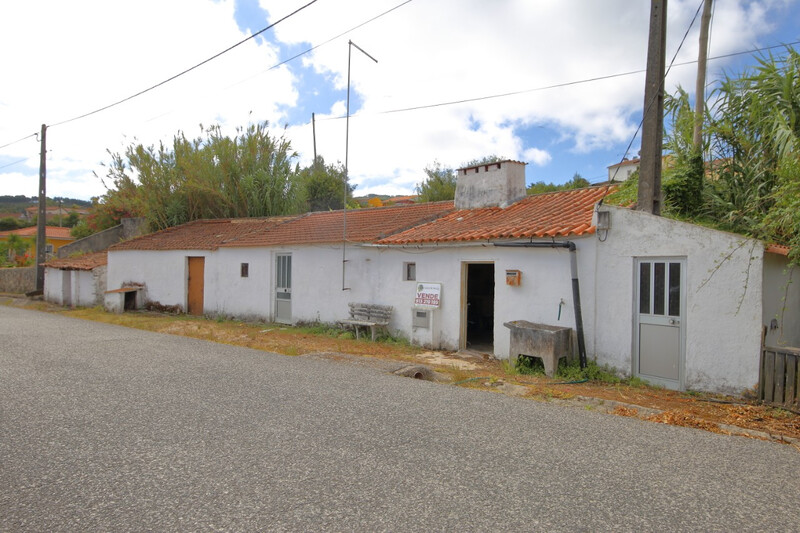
pixel 48 248
pixel 245 269
pixel 409 271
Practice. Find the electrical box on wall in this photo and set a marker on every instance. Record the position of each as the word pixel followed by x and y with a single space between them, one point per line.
pixel 421 318
pixel 513 277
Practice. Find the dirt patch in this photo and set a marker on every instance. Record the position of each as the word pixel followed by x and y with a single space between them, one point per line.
pixel 702 411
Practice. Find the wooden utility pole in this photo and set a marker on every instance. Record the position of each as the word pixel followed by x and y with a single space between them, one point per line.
pixel 700 88
pixel 41 236
pixel 653 124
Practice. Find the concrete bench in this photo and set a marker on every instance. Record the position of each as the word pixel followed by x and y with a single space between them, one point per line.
pixel 373 316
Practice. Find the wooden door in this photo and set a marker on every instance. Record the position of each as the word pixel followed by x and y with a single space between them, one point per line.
pixel 194 300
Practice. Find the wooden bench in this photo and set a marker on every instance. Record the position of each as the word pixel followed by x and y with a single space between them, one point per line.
pixel 373 316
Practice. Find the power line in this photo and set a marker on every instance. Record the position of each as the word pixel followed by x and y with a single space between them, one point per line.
pixel 555 86
pixel 15 162
pixel 340 35
pixel 34 134
pixel 185 71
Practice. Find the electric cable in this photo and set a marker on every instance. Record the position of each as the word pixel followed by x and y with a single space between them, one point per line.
pixel 15 162
pixel 34 134
pixel 185 71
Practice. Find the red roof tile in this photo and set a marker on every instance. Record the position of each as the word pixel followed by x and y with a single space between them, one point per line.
pixel 200 234
pixel 777 249
pixel 51 232
pixel 363 225
pixel 557 214
pixel 82 262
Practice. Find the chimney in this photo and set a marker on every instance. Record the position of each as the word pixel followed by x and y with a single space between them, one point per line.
pixel 497 184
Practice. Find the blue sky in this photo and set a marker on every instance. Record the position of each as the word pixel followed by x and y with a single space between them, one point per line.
pixel 91 53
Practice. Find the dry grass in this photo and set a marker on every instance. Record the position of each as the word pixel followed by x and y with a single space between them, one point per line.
pixel 700 411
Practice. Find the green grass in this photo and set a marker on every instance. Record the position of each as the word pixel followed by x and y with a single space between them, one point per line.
pixel 570 371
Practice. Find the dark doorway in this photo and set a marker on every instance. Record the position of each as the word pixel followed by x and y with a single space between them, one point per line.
pixel 130 301
pixel 480 307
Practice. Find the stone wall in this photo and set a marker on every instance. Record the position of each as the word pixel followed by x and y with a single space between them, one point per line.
pixel 18 280
pixel 130 228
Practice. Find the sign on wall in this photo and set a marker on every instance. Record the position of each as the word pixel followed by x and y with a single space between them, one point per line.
pixel 428 295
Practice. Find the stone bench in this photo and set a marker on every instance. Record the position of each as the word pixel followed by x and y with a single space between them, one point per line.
pixel 373 316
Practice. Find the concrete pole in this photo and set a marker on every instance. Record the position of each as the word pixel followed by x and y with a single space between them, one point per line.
pixel 653 125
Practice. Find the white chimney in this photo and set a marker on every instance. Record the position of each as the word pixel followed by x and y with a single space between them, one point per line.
pixel 497 184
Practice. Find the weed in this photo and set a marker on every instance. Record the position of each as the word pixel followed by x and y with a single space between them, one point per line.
pixel 510 368
pixel 529 366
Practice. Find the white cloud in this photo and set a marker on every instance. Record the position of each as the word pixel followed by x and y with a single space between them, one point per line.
pixel 537 156
pixel 434 51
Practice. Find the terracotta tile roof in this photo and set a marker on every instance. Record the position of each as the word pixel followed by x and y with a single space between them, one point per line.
pixel 200 234
pixel 51 232
pixel 363 225
pixel 777 249
pixel 82 262
pixel 557 214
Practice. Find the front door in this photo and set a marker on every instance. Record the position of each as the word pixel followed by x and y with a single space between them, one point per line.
pixel 194 299
pixel 659 337
pixel 283 288
pixel 477 307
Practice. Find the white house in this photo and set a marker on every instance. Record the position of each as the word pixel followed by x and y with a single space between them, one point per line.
pixel 674 303
pixel 76 281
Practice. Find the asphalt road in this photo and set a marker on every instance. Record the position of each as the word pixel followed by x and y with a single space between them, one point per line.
pixel 104 428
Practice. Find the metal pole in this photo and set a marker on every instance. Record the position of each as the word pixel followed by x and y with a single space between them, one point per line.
pixel 350 45
pixel 314 134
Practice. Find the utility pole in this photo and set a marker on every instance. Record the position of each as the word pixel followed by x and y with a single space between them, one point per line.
pixel 314 134
pixel 41 236
pixel 700 88
pixel 653 124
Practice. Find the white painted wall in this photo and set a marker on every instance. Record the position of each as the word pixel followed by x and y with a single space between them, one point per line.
pixel 228 293
pixel 781 301
pixel 83 288
pixel 723 297
pixel 163 273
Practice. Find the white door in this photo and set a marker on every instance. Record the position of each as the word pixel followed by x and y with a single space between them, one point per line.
pixel 283 288
pixel 659 328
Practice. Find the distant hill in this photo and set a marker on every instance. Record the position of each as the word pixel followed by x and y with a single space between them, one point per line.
pixel 17 204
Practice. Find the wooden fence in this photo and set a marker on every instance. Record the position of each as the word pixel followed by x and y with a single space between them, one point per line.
pixel 779 376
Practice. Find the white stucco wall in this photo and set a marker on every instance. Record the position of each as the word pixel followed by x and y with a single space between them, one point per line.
pixel 546 280
pixel 162 273
pixel 723 297
pixel 53 286
pixel 83 288
pixel 781 301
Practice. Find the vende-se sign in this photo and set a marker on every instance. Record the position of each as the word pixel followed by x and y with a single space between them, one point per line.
pixel 428 295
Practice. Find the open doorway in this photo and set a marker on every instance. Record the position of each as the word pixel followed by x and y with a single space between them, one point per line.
pixel 477 315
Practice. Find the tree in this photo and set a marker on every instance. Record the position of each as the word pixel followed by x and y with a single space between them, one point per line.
pixel 754 143
pixel 439 185
pixel 577 182
pixel 214 176
pixel 322 186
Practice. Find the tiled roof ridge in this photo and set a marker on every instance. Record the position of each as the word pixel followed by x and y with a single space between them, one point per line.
pixel 379 208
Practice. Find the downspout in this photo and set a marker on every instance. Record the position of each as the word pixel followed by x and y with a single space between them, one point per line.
pixel 576 289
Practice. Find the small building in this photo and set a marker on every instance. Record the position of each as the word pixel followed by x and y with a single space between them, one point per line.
pixel 76 281
pixel 55 237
